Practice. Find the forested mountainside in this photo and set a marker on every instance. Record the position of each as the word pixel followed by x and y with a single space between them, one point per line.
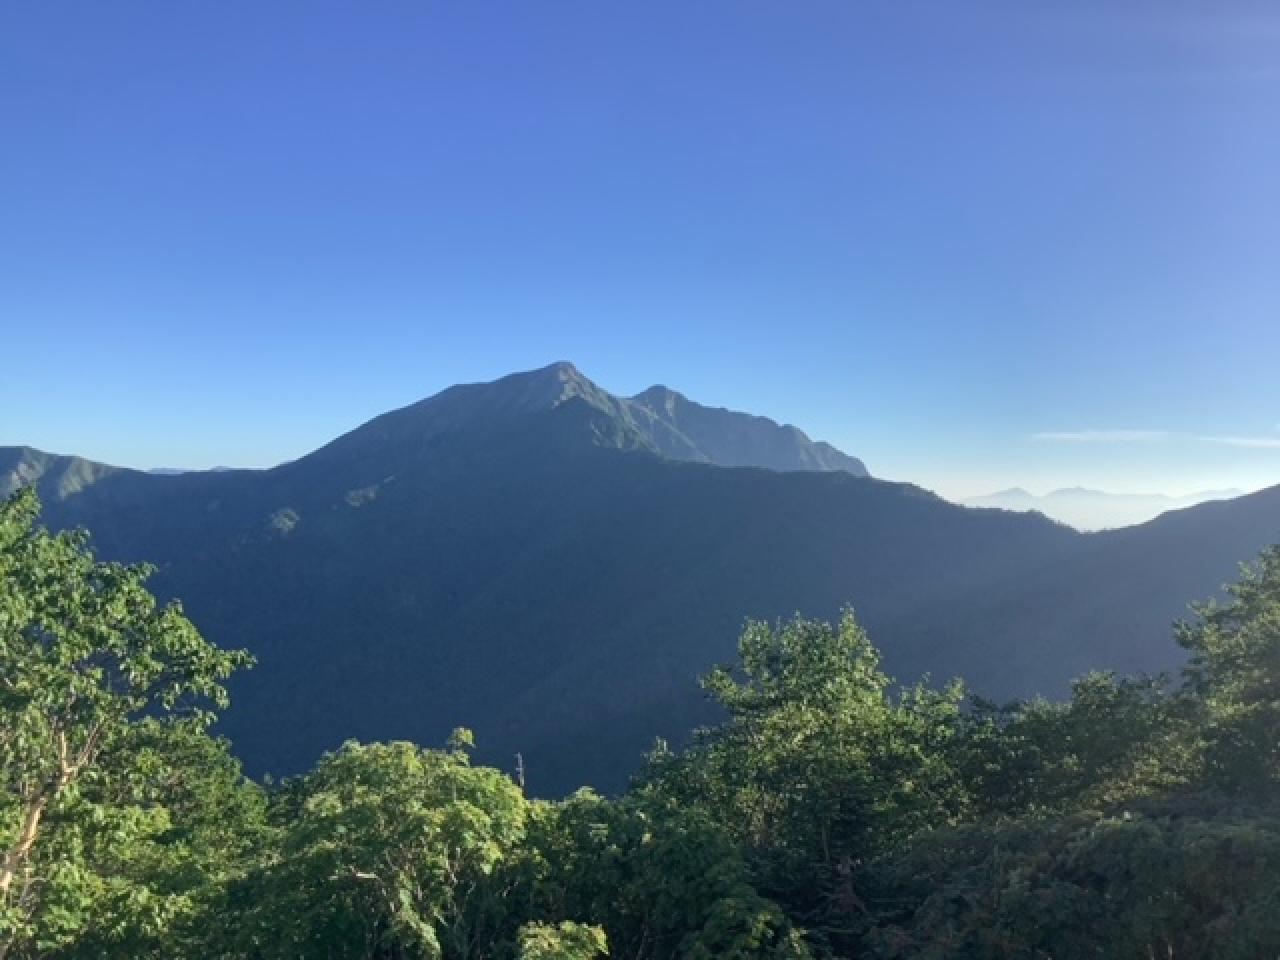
pixel 531 559
pixel 829 814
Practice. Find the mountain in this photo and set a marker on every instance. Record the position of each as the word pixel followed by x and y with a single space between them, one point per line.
pixel 684 430
pixel 658 420
pixel 1087 509
pixel 548 564
pixel 170 471
pixel 57 477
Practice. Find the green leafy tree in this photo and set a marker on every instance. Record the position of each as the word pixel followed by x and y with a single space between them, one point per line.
pixel 1164 879
pixel 87 657
pixel 164 894
pixel 1115 739
pixel 388 851
pixel 1134 820
pixel 820 765
pixel 562 941
pixel 1234 676
pixel 662 880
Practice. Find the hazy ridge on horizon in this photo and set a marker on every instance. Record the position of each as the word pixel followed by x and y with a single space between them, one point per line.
pixel 1089 509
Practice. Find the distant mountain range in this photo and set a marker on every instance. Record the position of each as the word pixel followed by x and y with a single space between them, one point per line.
pixel 552 565
pixel 1087 509
pixel 170 471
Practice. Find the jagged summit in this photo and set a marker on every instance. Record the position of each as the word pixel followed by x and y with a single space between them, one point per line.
pixel 732 439
pixel 660 420
pixel 540 389
pixel 660 395
pixel 529 391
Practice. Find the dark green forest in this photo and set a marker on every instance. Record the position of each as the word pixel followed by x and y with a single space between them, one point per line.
pixel 830 813
pixel 530 559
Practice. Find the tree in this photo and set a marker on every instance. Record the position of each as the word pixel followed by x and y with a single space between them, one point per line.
pixel 388 851
pixel 1115 739
pixel 163 894
pixel 563 941
pixel 820 765
pixel 1234 677
pixel 87 655
pixel 1189 877
pixel 662 879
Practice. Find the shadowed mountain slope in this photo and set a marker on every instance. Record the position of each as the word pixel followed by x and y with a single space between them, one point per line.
pixel 522 558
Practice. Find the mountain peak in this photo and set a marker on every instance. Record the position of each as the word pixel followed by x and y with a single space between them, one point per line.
pixel 561 371
pixel 659 393
pixel 530 390
pixel 686 430
pixel 660 400
pixel 660 420
pixel 564 367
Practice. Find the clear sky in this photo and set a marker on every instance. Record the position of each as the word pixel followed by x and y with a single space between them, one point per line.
pixel 976 244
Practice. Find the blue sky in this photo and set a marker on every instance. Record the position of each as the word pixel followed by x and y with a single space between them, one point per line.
pixel 977 244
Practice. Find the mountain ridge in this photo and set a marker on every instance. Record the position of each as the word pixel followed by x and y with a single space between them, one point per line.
pixel 1090 509
pixel 636 423
pixel 521 560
